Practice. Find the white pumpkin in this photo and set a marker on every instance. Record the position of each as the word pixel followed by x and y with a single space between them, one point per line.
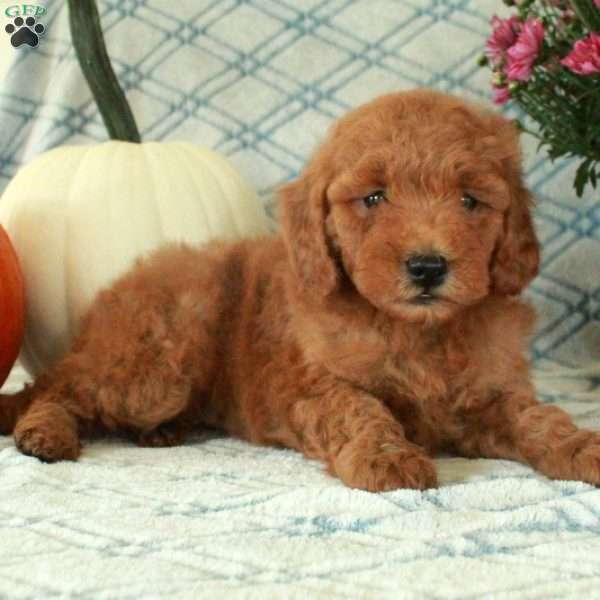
pixel 79 216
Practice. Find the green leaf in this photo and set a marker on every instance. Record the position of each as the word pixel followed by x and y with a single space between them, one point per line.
pixel 582 176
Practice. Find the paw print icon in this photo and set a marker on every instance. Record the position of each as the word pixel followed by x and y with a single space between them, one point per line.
pixel 24 31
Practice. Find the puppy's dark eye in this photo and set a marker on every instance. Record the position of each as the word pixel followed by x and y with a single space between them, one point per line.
pixel 374 198
pixel 470 202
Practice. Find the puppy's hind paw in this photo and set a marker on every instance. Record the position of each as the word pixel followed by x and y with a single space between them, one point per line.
pixel 48 432
pixel 164 436
pixel 48 445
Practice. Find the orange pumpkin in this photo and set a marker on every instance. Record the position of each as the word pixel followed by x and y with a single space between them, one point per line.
pixel 12 306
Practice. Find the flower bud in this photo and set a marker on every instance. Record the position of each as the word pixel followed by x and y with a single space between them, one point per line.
pixel 498 79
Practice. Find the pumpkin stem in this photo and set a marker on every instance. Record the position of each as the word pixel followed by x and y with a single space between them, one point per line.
pixel 86 33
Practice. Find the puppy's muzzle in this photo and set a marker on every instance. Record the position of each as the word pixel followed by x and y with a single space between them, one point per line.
pixel 427 271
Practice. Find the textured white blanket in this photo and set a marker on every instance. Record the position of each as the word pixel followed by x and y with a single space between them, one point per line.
pixel 218 518
pixel 260 80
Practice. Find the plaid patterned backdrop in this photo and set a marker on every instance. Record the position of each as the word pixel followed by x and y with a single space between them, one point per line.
pixel 260 81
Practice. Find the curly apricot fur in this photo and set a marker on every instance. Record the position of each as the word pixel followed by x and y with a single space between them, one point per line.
pixel 316 340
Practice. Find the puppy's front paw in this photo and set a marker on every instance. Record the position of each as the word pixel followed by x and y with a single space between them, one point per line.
pixel 387 466
pixel 585 464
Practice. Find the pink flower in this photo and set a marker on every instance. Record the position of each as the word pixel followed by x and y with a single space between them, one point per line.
pixel 597 3
pixel 501 95
pixel 523 54
pixel 584 59
pixel 504 35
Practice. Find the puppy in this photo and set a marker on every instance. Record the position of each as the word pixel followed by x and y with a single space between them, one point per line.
pixel 383 326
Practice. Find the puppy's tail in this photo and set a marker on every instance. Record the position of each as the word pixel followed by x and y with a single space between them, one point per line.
pixel 12 407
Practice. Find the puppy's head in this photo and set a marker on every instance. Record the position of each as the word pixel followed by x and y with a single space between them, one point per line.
pixel 417 200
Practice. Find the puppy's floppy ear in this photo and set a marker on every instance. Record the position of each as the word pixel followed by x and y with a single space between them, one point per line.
pixel 303 207
pixel 517 257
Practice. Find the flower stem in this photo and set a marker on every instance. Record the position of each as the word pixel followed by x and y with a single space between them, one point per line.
pixel 86 33
pixel 588 13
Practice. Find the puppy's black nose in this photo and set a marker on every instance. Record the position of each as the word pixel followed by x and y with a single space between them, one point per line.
pixel 427 271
